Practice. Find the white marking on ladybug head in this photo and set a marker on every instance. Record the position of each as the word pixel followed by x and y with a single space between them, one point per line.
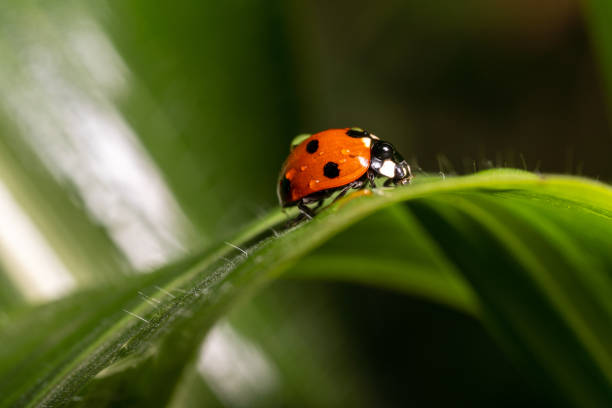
pixel 387 169
pixel 366 141
pixel 363 161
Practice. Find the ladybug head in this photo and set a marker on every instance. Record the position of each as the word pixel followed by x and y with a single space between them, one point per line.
pixel 386 161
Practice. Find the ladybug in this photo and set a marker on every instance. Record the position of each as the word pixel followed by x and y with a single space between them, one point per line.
pixel 337 160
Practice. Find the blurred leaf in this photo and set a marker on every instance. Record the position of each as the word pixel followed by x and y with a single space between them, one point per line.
pixel 10 296
pixel 534 250
pixel 299 332
pixel 213 99
pixel 121 122
pixel 59 216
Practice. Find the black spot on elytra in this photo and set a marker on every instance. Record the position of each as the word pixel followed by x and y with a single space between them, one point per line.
pixel 285 188
pixel 357 133
pixel 312 146
pixel 330 170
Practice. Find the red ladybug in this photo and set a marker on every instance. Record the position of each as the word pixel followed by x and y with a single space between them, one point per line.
pixel 337 160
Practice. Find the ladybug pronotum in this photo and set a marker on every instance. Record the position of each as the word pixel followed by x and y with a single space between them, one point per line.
pixel 337 160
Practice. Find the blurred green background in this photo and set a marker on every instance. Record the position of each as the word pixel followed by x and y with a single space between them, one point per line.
pixel 134 134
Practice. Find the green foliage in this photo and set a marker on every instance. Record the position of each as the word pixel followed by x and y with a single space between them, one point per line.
pixel 527 254
pixel 210 94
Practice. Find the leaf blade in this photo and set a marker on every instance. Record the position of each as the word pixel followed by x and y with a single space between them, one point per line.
pixel 214 285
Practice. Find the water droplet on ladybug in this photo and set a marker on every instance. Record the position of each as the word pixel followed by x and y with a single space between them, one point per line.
pixel 303 168
pixel 342 160
pixel 345 151
pixel 290 174
pixel 313 184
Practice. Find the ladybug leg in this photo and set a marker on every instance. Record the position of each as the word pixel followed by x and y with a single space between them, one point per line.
pixel 343 192
pixel 305 210
pixel 371 176
pixel 358 184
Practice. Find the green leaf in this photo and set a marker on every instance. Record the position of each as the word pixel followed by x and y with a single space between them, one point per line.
pixel 300 333
pixel 527 254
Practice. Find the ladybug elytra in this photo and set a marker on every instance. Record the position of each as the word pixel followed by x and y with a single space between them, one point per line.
pixel 337 160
